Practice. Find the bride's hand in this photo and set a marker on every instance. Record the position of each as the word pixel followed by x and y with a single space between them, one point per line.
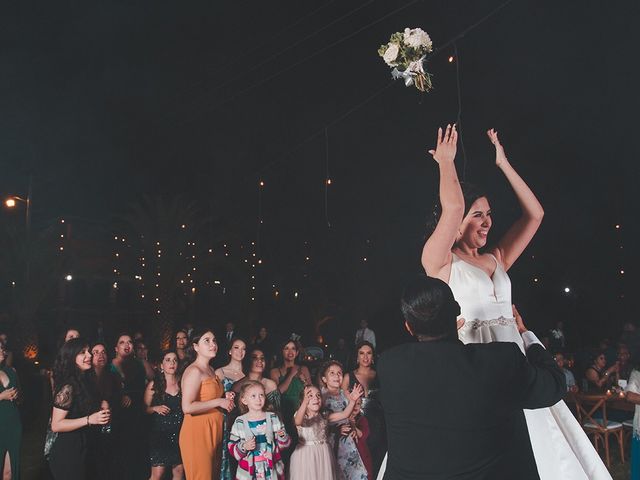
pixel 500 155
pixel 445 151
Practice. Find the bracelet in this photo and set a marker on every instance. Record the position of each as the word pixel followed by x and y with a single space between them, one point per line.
pixel 88 420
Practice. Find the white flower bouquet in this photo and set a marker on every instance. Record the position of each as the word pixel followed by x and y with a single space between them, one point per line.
pixel 406 52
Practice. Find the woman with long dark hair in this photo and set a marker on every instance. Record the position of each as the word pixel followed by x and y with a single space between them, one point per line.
pixel 163 400
pixel 101 463
pixel 203 400
pixel 291 378
pixel 255 365
pixel 228 375
pixel 11 432
pixel 365 374
pixel 457 253
pixel 75 410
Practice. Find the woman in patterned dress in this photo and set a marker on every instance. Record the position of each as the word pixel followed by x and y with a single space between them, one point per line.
pixel 228 375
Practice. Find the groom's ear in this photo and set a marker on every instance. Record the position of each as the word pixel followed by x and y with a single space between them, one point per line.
pixel 408 327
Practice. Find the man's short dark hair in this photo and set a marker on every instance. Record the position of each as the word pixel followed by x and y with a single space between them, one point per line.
pixel 429 308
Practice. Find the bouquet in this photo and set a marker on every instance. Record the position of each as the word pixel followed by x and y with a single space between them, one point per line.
pixel 405 52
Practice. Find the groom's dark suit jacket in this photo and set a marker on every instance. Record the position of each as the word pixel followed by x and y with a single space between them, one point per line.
pixel 454 411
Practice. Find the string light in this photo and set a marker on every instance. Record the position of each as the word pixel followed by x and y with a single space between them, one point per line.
pixel 451 59
pixel 567 290
pixel 68 278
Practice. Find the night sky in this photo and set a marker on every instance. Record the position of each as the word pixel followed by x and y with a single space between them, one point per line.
pixel 105 102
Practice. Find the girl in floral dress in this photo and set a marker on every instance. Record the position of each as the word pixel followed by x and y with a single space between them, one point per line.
pixel 339 405
pixel 257 437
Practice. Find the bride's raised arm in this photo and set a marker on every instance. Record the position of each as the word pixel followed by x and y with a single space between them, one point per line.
pixel 436 254
pixel 513 243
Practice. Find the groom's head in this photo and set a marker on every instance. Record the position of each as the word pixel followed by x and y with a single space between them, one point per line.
pixel 429 308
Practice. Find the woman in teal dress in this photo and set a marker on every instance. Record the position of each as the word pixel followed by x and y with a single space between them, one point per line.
pixel 11 430
pixel 291 379
pixel 228 375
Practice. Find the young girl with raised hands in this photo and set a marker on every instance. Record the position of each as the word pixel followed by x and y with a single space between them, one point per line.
pixel 339 405
pixel 313 458
pixel 257 437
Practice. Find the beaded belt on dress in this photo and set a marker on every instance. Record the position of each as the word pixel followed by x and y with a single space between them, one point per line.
pixel 312 442
pixel 493 322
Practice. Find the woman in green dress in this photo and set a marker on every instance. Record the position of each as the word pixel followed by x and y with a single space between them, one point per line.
pixel 11 431
pixel 291 379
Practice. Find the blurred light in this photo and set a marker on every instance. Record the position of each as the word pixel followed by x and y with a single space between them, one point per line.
pixel 617 227
pixel 567 290
pixel 193 290
pixel 142 296
pixel 115 284
pixel 13 284
pixel 62 235
pixel 621 272
pixel 328 181
pixel 183 226
pixel 217 282
pixel 261 183
pixel 62 220
pixel 138 277
pixel 61 248
pixel 10 202
pixel 535 280
pixel 68 278
pixel 295 294
pixel 451 59
pixel 276 293
pixel 306 258
pixel 211 250
pixel 364 259
pixel 259 262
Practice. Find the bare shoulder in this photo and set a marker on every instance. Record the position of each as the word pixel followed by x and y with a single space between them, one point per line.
pixel 269 385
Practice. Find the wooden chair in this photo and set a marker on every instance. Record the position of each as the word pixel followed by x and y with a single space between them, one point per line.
pixel 587 406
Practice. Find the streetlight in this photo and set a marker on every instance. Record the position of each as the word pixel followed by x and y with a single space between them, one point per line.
pixel 11 202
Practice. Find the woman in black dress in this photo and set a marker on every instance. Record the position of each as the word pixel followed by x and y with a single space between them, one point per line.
pixel 75 410
pixel 366 375
pixel 163 400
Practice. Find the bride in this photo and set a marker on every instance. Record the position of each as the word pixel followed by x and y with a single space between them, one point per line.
pixel 481 286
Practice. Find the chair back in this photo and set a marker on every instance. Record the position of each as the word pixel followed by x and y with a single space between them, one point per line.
pixel 588 405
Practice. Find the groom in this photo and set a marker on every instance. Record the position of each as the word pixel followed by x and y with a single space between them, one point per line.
pixel 454 411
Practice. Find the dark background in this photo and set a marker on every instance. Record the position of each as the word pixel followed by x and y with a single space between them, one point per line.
pixel 102 104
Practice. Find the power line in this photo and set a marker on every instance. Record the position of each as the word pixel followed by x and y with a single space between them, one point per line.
pixel 306 59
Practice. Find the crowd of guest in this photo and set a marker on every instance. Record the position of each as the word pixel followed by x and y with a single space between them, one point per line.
pixel 208 407
pixel 238 408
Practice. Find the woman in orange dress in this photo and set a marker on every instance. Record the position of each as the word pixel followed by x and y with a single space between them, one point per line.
pixel 203 398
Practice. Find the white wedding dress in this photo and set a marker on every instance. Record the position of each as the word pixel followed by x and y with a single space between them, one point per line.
pixel 561 448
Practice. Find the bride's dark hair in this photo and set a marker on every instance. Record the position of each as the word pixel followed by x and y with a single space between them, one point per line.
pixel 470 193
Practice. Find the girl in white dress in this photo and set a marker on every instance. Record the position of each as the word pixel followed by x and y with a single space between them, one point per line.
pixel 481 286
